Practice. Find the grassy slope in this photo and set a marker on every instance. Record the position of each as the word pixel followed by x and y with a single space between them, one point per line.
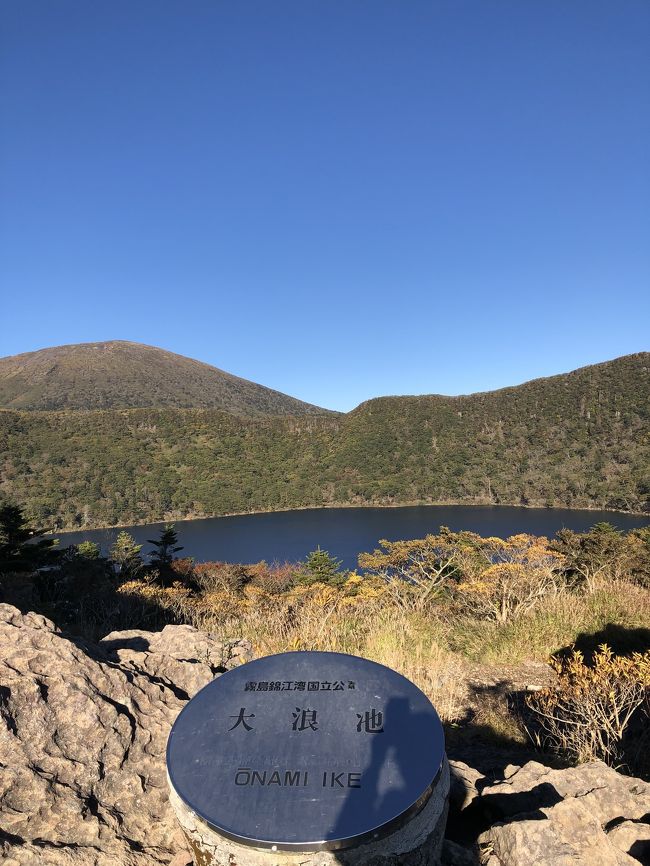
pixel 121 375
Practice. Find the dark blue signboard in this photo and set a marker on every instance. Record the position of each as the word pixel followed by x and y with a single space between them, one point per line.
pixel 306 751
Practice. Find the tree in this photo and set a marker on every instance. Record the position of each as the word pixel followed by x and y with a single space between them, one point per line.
pixel 321 567
pixel 166 546
pixel 417 570
pixel 125 554
pixel 515 575
pixel 163 555
pixel 21 548
pixel 88 550
pixel 591 557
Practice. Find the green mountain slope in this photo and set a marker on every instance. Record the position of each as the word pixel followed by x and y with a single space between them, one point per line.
pixel 122 375
pixel 580 439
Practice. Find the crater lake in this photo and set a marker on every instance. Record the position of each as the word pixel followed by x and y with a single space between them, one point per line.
pixel 288 536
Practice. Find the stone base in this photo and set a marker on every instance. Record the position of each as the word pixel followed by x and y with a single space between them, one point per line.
pixel 417 843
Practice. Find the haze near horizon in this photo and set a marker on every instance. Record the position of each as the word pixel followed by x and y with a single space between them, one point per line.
pixel 338 201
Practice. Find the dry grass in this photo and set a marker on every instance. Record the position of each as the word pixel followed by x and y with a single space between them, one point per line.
pixel 554 624
pixel 326 619
pixel 431 647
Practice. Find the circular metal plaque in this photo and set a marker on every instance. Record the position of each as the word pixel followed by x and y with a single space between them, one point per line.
pixel 306 751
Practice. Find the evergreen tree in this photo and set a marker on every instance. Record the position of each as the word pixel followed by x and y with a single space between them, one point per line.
pixel 21 548
pixel 165 546
pixel 88 550
pixel 321 567
pixel 125 554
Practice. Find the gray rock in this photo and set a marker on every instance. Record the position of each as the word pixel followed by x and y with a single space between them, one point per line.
pixel 463 785
pixel 607 795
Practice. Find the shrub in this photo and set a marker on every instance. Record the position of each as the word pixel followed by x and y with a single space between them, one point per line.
pixel 416 571
pixel 221 577
pixel 516 574
pixel 639 544
pixel 276 578
pixel 604 553
pixel 587 715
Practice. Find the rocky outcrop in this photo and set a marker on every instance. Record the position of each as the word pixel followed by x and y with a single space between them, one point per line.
pixel 179 656
pixel 83 731
pixel 581 816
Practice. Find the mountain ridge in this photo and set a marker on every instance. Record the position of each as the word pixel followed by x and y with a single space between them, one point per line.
pixel 14 369
pixel 120 374
pixel 578 440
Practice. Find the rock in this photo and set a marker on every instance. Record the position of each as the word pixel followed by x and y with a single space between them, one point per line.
pixel 608 795
pixel 633 838
pixel 561 817
pixel 83 733
pixel 180 656
pixel 463 785
pixel 564 835
pixel 457 855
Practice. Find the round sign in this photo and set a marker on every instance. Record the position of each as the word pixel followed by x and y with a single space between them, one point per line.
pixel 306 751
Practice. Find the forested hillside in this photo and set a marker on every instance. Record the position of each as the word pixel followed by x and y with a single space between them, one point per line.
pixel 581 439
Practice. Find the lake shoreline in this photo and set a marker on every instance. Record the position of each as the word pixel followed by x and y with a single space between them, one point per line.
pixel 413 504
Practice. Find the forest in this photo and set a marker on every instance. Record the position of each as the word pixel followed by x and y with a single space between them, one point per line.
pixel 576 440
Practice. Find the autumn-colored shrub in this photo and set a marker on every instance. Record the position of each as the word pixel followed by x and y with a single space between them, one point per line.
pixel 182 569
pixel 275 578
pixel 587 715
pixel 221 576
pixel 416 571
pixel 487 578
pixel 515 575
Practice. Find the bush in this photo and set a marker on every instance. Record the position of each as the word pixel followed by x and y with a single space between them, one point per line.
pixel 221 577
pixel 587 716
pixel 602 554
pixel 276 578
pixel 416 571
pixel 515 575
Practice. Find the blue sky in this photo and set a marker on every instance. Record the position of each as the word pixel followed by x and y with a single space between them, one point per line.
pixel 336 198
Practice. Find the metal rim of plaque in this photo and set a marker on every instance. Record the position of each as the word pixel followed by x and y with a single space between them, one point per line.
pixel 306 751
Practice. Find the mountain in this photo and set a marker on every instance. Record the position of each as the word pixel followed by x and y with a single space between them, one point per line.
pixel 581 439
pixel 122 375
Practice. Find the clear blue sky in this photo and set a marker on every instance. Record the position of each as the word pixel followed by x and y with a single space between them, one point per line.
pixel 335 198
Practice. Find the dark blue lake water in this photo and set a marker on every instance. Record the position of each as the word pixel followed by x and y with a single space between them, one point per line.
pixel 345 532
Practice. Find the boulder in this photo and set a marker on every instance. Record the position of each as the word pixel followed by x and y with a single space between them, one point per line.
pixel 575 817
pixel 83 732
pixel 179 656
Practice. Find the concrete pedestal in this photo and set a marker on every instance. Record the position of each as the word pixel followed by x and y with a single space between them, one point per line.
pixel 417 843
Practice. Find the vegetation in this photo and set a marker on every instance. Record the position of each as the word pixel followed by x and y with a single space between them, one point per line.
pixel 588 714
pixel 441 610
pixel 121 375
pixel 125 553
pixel 21 546
pixel 578 440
